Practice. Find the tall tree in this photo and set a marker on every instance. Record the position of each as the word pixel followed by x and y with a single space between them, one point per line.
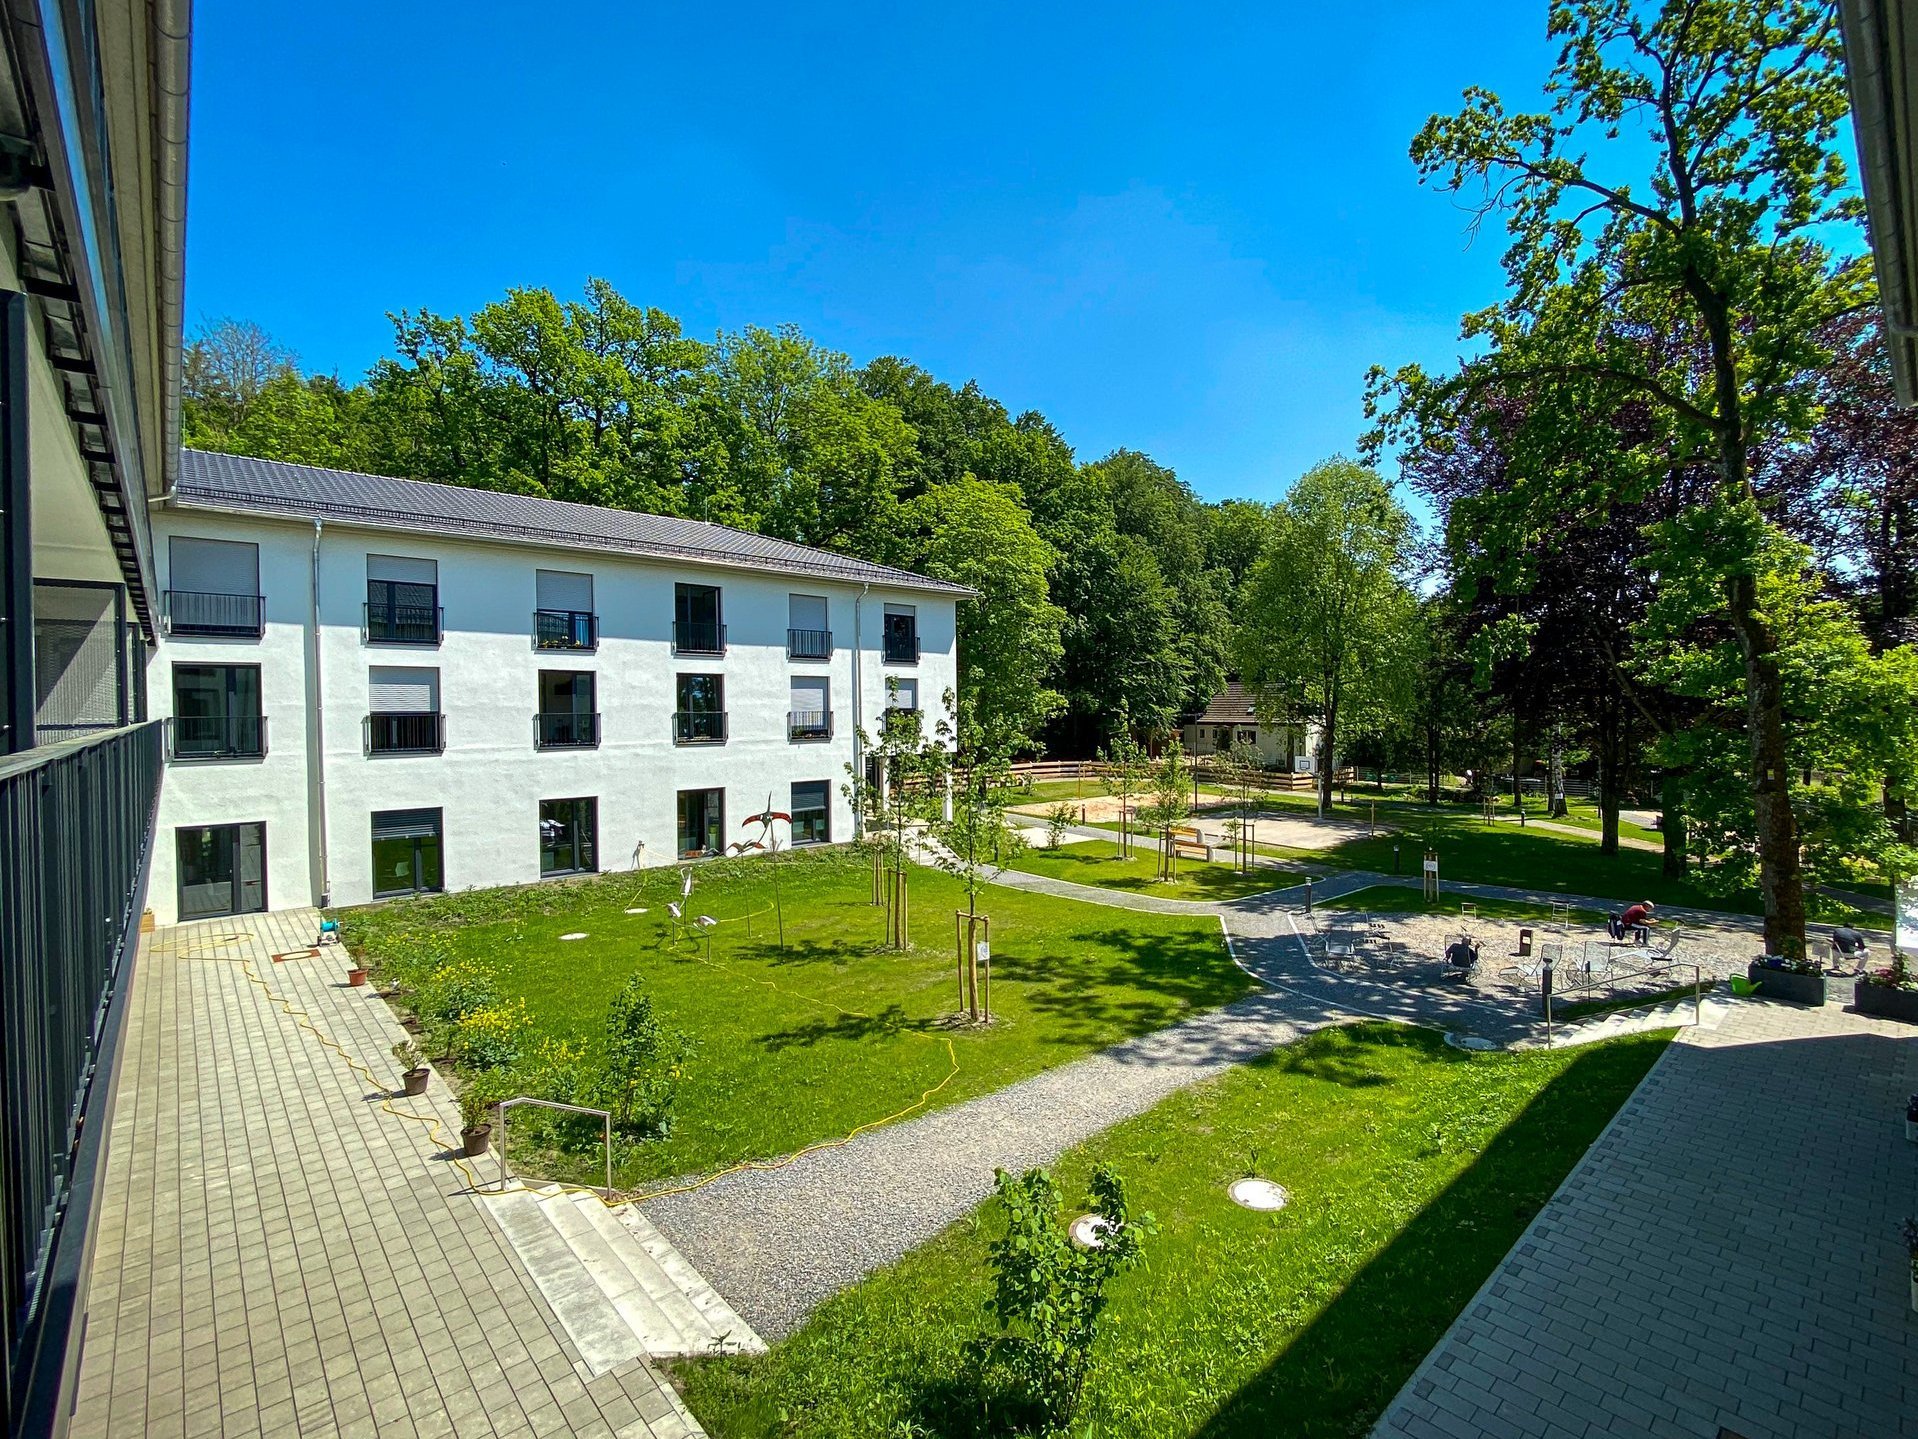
pixel 1326 621
pixel 1708 224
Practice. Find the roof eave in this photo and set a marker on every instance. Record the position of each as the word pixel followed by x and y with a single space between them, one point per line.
pixel 1882 68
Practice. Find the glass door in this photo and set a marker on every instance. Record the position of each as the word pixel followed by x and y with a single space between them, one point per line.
pixel 222 869
pixel 406 852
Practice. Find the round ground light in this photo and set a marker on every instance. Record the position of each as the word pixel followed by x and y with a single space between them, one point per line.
pixel 640 910
pixel 1469 1041
pixel 577 934
pixel 1088 1231
pixel 1260 1194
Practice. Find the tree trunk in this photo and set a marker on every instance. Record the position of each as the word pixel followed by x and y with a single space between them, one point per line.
pixel 1328 723
pixel 1671 822
pixel 1611 776
pixel 1555 776
pixel 1779 873
pixel 1431 763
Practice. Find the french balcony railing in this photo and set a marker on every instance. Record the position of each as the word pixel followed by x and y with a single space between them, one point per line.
pixel 901 649
pixel 387 732
pixel 402 624
pixel 198 612
pixel 699 637
pixel 216 737
pixel 699 727
pixel 565 729
pixel 809 644
pixel 808 724
pixel 566 629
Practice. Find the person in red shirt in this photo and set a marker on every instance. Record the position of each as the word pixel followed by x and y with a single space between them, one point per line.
pixel 1638 920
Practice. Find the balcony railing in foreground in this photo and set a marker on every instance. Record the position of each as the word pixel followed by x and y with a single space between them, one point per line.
pixel 405 732
pixel 76 827
pixel 808 724
pixel 699 727
pixel 196 612
pixel 565 729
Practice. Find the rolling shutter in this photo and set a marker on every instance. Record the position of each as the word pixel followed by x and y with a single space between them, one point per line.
pixel 214 567
pixel 404 569
pixel 397 690
pixel 564 590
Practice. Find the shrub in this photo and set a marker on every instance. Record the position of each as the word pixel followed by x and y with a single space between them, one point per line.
pixel 1058 819
pixel 409 1055
pixel 489 1038
pixel 478 1095
pixel 1896 975
pixel 643 1060
pixel 1048 1295
pixel 457 990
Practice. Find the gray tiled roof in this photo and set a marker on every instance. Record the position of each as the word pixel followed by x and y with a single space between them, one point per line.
pixel 1232 705
pixel 241 482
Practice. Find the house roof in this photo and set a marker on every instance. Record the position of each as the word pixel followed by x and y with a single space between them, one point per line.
pixel 273 487
pixel 1231 705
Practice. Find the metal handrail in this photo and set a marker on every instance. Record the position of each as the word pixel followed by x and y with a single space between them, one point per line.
pixel 605 1116
pixel 1610 981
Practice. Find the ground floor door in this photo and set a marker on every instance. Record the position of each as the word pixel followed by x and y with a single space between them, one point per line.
pixel 406 852
pixel 222 869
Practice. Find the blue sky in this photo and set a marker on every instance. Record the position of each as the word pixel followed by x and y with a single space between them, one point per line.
pixel 1184 232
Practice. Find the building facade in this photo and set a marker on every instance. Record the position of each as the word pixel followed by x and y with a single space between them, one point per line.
pixel 1232 717
pixel 380 687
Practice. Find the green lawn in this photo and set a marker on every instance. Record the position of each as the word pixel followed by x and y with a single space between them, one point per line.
pixel 1095 861
pixel 1397 899
pixel 832 1032
pixel 1412 1167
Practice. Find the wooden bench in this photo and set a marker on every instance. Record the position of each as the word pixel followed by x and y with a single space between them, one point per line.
pixel 1188 841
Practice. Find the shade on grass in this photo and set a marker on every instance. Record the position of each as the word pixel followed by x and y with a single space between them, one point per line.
pixel 1097 862
pixel 833 1031
pixel 1402 899
pixel 1412 1168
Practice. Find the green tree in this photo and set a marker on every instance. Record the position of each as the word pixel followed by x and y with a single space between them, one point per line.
pixel 1326 620
pixel 1709 223
pixel 977 534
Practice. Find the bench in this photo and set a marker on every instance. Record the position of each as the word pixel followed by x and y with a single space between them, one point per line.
pixel 1188 841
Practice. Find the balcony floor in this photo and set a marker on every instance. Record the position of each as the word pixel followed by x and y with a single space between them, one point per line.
pixel 281 1253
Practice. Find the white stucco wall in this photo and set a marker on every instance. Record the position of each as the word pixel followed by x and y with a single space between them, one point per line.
pixel 491 779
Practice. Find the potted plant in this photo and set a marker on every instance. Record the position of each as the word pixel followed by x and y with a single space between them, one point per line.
pixel 1889 993
pixel 356 975
pixel 1910 1233
pixel 413 1070
pixel 477 1098
pixel 1792 977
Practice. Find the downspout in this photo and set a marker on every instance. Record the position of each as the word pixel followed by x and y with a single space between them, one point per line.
pixel 173 26
pixel 316 735
pixel 858 731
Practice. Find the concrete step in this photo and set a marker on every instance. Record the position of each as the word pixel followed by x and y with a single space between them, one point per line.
pixel 618 1287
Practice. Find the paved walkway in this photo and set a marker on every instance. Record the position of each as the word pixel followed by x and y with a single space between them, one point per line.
pixel 1724 1261
pixel 776 1242
pixel 281 1254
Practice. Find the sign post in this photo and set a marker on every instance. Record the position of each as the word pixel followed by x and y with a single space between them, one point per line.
pixel 1431 887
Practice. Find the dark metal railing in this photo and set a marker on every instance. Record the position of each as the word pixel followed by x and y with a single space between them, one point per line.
pixel 699 637
pixel 809 644
pixel 402 624
pixel 76 827
pixel 901 649
pixel 564 729
pixel 196 612
pixel 191 737
pixel 699 727
pixel 390 732
pixel 809 724
pixel 566 629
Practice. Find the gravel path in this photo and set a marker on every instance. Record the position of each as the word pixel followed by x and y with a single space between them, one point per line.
pixel 777 1242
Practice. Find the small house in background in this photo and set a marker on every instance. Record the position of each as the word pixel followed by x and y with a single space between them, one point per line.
pixel 1232 715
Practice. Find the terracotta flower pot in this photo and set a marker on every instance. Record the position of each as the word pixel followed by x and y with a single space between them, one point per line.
pixel 415 1080
pixel 356 977
pixel 475 1140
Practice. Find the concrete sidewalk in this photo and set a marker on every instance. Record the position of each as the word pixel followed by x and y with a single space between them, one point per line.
pixel 280 1253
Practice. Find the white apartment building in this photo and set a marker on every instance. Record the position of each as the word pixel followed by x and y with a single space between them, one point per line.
pixel 378 687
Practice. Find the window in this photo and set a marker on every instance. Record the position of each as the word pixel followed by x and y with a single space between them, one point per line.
pixel 402 601
pixel 216 712
pixel 701 715
pixel 406 852
pixel 568 836
pixel 901 635
pixel 905 694
pixel 566 719
pixel 564 619
pixel 222 869
pixel 405 713
pixel 810 635
pixel 702 822
pixel 811 714
pixel 213 588
pixel 812 812
pixel 696 626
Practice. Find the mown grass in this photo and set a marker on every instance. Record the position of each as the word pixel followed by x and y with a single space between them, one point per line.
pixel 1412 1169
pixel 1398 899
pixel 832 1031
pixel 1098 862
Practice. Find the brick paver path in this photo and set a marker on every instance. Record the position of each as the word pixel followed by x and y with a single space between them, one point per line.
pixel 279 1255
pixel 1724 1261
